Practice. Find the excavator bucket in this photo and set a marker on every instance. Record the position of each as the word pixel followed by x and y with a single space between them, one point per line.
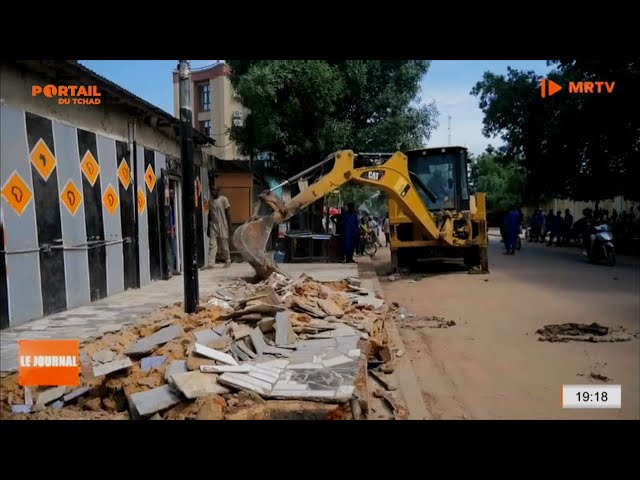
pixel 251 239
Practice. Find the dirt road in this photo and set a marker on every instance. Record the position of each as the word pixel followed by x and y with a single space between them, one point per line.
pixel 490 365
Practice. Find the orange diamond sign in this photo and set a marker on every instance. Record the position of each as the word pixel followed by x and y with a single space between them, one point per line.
pixel 90 168
pixel 110 200
pixel 142 201
pixel 43 160
pixel 150 178
pixel 124 174
pixel 71 197
pixel 16 193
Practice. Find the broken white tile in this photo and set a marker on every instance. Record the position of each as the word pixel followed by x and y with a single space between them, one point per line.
pixel 271 370
pixel 244 348
pixel 104 356
pixel 21 408
pixel 236 352
pixel 304 366
pixel 107 368
pixel 147 344
pixel 155 400
pixel 282 328
pixel 214 354
pixel 245 382
pixel 50 395
pixel 176 366
pixel 355 353
pixel 28 396
pixel 225 368
pixel 303 393
pixel 58 404
pixel 279 363
pixel 197 384
pixel 205 337
pixel 282 385
pixel 338 332
pixel 75 394
pixel 271 379
pixel 334 362
pixel 148 363
pixel 345 392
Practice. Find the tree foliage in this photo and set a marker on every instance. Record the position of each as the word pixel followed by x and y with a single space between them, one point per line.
pixel 502 180
pixel 582 146
pixel 300 111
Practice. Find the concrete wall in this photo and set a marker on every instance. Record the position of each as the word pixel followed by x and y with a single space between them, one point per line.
pixel 64 242
pixel 575 207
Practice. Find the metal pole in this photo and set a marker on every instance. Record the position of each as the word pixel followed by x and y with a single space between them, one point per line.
pixel 188 191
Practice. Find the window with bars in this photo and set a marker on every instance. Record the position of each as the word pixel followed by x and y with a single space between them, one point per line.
pixel 204 90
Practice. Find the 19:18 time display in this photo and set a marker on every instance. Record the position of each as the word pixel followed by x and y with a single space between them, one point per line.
pixel 591 396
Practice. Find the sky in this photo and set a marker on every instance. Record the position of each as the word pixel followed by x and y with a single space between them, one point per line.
pixel 448 83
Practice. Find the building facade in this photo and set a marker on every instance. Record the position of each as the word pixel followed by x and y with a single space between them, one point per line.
pixel 216 107
pixel 90 191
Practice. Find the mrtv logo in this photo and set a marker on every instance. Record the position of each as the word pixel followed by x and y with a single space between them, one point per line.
pixel 69 94
pixel 549 87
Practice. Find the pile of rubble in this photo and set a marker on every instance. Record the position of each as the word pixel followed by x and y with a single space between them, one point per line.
pixel 282 348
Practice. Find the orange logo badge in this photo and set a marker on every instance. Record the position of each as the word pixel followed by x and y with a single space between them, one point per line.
pixel 52 363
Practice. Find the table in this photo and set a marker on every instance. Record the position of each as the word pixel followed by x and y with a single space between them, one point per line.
pixel 301 247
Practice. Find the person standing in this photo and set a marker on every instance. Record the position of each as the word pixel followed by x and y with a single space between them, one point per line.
pixel 386 228
pixel 350 232
pixel 550 227
pixel 511 230
pixel 219 222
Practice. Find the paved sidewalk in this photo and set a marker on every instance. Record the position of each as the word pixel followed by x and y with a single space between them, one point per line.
pixel 112 313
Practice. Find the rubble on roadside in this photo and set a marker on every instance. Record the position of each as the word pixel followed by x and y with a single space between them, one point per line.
pixel 255 351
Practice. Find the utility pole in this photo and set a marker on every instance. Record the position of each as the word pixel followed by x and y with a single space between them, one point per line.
pixel 188 191
pixel 449 128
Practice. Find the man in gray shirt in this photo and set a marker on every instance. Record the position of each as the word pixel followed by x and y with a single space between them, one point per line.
pixel 219 222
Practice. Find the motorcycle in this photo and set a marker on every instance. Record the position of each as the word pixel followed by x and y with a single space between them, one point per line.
pixel 601 245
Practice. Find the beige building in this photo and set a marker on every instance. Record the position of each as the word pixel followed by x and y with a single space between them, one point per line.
pixel 216 107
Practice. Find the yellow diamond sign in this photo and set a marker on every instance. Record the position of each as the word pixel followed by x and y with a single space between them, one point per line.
pixel 71 197
pixel 110 200
pixel 142 201
pixel 43 160
pixel 90 168
pixel 16 193
pixel 150 178
pixel 124 174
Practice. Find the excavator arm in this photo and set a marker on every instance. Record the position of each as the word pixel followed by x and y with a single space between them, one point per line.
pixel 392 177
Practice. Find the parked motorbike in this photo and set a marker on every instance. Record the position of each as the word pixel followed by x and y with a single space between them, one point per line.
pixel 601 245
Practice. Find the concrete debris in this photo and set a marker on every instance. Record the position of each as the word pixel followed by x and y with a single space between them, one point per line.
pixel 253 349
pixel 400 412
pixel 104 356
pixel 50 395
pixel 154 400
pixel 148 363
pixel 214 354
pixel 107 368
pixel 197 384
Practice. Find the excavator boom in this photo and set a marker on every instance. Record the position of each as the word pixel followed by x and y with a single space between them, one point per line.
pixel 392 177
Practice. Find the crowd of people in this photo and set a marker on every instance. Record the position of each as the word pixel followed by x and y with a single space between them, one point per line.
pixel 357 231
pixel 550 227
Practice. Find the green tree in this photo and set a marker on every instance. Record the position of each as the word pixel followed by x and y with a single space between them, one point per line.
pixel 502 180
pixel 300 111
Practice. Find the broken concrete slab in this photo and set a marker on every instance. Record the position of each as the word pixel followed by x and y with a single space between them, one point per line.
pixel 205 337
pixel 50 395
pixel 176 366
pixel 250 317
pixel 240 331
pixel 261 346
pixel 334 362
pixel 107 368
pixel 245 382
pixel 148 344
pixel 28 396
pixel 338 332
pixel 78 392
pixel 382 380
pixel 58 404
pixel 104 356
pixel 308 307
pixel 243 347
pixel 214 354
pixel 330 307
pixel 148 363
pixel 156 416
pixel 370 299
pixel 21 408
pixel 195 361
pixel 154 400
pixel 198 384
pixel 267 324
pixel 278 364
pixel 282 328
pixel 236 352
pixel 262 309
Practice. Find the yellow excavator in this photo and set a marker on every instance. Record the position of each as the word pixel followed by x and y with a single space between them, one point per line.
pixel 433 202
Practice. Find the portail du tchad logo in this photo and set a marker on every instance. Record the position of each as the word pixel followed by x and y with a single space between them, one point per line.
pixel 549 87
pixel 69 94
pixel 52 363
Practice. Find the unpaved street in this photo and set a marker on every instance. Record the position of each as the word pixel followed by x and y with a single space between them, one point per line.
pixel 490 365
